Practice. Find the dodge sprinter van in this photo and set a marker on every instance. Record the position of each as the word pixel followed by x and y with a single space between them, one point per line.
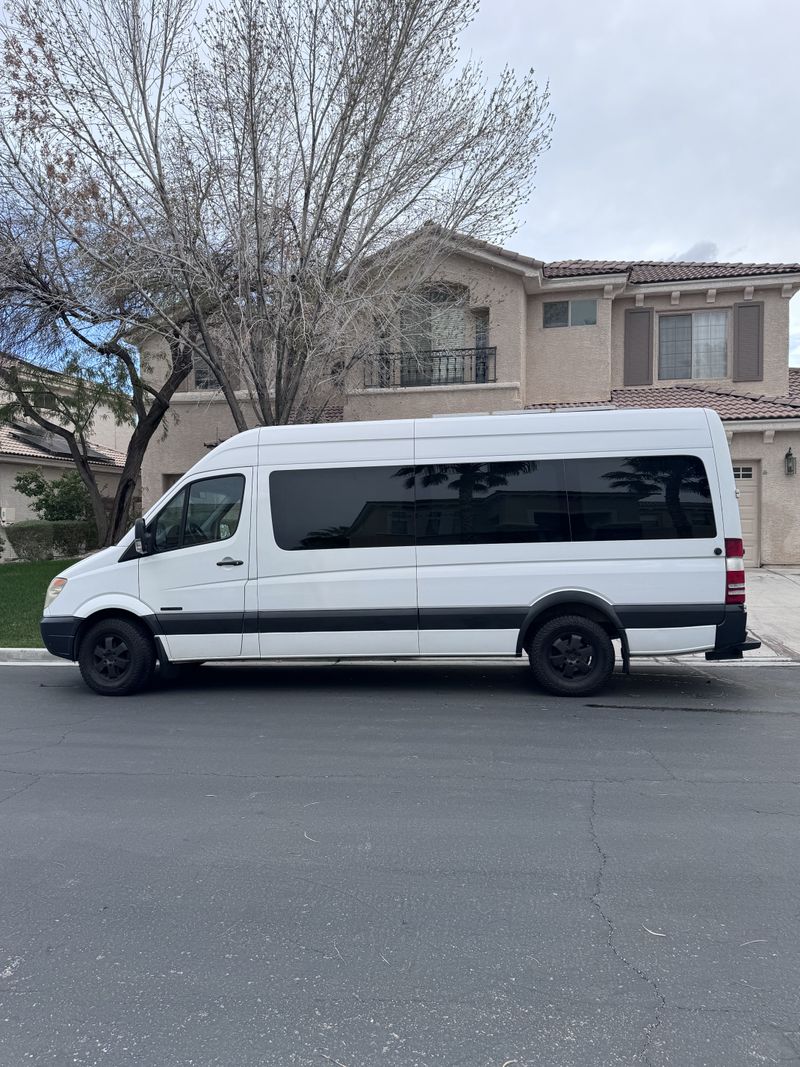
pixel 570 538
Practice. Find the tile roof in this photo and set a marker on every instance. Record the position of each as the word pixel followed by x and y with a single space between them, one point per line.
pixel 642 271
pixel 11 444
pixel 731 407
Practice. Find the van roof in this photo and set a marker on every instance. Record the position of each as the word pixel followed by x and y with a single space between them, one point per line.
pixel 579 420
pixel 684 424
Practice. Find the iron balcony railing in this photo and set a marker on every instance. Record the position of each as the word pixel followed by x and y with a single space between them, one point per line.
pixel 443 366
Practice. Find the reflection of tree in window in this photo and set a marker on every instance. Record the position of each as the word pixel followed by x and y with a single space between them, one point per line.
pixel 674 479
pixel 471 481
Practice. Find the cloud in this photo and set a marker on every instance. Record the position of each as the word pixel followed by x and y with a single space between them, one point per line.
pixel 700 252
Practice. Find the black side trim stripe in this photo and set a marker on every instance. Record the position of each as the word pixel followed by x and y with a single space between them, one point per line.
pixel 204 622
pixel 666 616
pixel 653 616
pixel 471 618
pixel 286 622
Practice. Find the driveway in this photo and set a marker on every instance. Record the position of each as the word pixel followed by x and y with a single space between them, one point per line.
pixel 410 865
pixel 773 609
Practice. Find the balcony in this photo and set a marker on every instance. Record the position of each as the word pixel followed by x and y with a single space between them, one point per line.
pixel 444 366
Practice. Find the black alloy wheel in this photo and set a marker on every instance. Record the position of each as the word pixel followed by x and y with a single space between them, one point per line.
pixel 116 657
pixel 111 658
pixel 571 656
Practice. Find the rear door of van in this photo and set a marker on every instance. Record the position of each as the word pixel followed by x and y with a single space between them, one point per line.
pixel 336 556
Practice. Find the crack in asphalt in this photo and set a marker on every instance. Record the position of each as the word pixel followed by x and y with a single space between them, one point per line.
pixel 650 1029
pixel 52 744
pixel 22 789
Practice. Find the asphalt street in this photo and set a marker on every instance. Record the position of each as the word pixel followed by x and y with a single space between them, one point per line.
pixel 404 865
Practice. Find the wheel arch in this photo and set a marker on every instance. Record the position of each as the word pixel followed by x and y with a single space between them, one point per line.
pixel 146 622
pixel 574 602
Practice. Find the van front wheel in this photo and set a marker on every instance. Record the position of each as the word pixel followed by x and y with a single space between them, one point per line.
pixel 116 657
pixel 571 656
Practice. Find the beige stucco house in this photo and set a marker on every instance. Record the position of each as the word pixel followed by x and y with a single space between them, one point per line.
pixel 507 332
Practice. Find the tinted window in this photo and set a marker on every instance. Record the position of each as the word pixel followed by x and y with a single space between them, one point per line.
pixel 212 514
pixel 167 527
pixel 526 501
pixel 359 507
pixel 491 503
pixel 640 498
pixel 215 505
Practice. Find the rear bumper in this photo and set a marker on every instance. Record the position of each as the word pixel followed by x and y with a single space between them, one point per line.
pixel 59 633
pixel 732 640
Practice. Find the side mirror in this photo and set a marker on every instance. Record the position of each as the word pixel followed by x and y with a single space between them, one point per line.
pixel 141 538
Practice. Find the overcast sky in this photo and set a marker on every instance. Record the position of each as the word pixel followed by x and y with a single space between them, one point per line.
pixel 676 127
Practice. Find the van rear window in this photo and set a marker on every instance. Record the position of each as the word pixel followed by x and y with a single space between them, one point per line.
pixel 641 498
pixel 529 501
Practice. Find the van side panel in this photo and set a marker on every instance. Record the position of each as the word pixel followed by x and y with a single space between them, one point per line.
pixel 337 601
pixel 478 589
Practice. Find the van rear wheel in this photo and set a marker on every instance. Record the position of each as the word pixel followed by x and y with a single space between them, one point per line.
pixel 571 656
pixel 116 657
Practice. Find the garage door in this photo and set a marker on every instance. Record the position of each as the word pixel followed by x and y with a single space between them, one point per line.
pixel 747 483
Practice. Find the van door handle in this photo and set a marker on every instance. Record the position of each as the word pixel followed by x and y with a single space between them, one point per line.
pixel 228 562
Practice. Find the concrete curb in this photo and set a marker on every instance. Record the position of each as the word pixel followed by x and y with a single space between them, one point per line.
pixel 28 655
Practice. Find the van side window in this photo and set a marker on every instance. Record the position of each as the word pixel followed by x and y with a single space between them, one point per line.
pixel 203 512
pixel 166 531
pixel 356 507
pixel 523 501
pixel 639 498
pixel 491 503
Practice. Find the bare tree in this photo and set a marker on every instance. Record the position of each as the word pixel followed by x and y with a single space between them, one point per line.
pixel 269 184
pixel 51 311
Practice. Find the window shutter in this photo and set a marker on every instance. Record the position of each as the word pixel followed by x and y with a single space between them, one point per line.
pixel 638 346
pixel 748 342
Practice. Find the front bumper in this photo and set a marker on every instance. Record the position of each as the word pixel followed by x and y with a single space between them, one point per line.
pixel 732 640
pixel 59 633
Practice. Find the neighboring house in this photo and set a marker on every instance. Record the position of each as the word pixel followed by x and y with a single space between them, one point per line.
pixel 25 445
pixel 498 331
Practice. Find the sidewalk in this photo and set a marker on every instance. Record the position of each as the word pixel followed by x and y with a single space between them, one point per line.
pixel 773 617
pixel 773 610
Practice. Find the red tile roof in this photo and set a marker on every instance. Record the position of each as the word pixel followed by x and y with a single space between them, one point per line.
pixel 641 271
pixel 731 407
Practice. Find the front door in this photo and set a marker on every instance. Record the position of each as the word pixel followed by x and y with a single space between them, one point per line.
pixel 194 580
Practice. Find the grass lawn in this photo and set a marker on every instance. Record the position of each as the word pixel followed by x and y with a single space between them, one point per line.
pixel 22 589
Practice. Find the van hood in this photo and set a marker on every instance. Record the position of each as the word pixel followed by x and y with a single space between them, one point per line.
pixel 94 562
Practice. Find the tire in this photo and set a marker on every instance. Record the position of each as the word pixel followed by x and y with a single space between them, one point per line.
pixel 116 657
pixel 571 656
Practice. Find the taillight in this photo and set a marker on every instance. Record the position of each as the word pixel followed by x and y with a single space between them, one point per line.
pixel 734 571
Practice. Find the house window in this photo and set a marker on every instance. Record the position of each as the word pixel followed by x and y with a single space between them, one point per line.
pixel 44 400
pixel 480 317
pixel 204 377
pixel 569 313
pixel 693 345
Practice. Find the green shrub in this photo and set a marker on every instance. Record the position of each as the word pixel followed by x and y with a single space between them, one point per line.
pixel 37 539
pixel 54 500
pixel 73 537
pixel 31 539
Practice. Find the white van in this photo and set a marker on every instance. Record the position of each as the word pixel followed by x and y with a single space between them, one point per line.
pixel 553 535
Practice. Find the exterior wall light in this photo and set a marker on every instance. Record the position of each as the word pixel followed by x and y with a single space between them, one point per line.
pixel 790 462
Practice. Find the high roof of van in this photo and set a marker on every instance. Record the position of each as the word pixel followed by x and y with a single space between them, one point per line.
pixel 242 448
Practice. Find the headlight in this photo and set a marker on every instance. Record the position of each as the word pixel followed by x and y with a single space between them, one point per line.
pixel 53 589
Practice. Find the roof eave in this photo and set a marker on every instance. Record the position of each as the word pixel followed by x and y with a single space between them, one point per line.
pixel 760 281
